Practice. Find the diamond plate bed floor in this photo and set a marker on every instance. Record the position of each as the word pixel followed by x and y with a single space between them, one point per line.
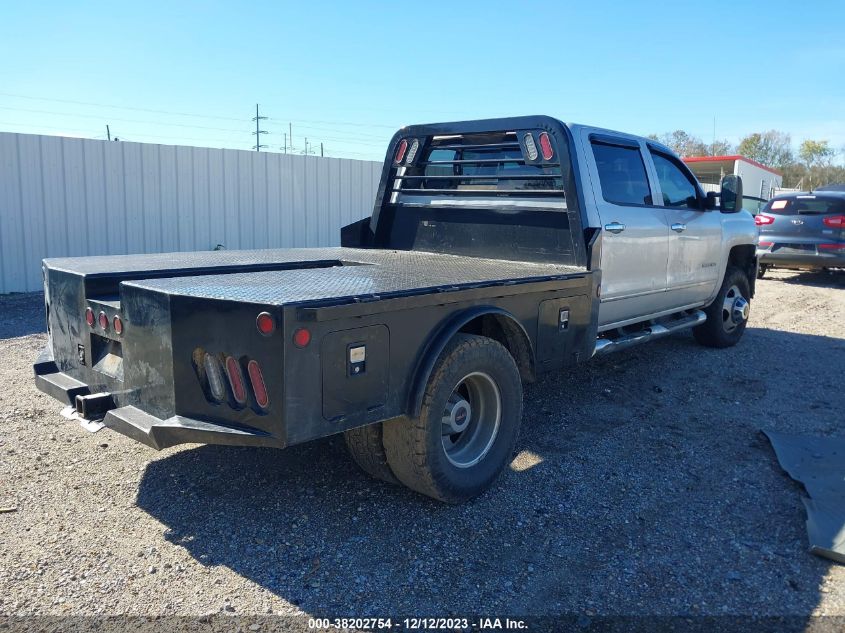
pixel 303 275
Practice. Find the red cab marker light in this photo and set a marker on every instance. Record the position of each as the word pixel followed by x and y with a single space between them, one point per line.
pixel 265 323
pixel 258 387
pixel 401 148
pixel 546 146
pixel 301 337
pixel 104 320
pixel 89 317
pixel 236 380
pixel 117 324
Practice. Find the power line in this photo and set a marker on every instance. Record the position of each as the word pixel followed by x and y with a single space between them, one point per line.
pixel 117 107
pixel 97 116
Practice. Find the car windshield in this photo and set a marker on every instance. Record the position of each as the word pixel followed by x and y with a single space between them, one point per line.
pixel 806 205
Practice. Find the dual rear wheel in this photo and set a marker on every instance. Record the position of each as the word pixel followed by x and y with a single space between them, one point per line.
pixel 466 431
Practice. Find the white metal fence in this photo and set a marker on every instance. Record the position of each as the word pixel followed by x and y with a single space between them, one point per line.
pixel 65 196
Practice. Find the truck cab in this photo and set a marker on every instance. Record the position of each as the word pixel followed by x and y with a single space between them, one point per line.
pixel 665 245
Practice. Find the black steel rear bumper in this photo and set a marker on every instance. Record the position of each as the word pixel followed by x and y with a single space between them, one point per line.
pixel 141 426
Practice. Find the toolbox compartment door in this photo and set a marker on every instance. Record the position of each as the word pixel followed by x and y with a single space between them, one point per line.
pixel 355 367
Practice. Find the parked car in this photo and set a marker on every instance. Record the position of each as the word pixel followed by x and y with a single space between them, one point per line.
pixel 802 231
pixel 496 250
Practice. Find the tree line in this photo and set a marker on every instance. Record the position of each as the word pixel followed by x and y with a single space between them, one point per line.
pixel 813 165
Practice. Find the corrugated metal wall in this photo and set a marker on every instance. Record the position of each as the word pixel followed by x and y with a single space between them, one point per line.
pixel 65 196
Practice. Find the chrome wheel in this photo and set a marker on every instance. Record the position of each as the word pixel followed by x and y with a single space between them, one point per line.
pixel 471 419
pixel 735 309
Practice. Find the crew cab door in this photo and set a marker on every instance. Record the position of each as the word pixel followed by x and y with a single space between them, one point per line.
pixel 635 240
pixel 695 233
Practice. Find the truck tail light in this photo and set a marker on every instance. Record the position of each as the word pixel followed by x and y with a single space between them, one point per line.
pixel 762 220
pixel 117 324
pixel 401 148
pixel 214 375
pixel 89 317
pixel 530 146
pixel 832 247
pixel 236 380
pixel 301 337
pixel 835 222
pixel 258 387
pixel 104 320
pixel 412 151
pixel 546 146
pixel 265 323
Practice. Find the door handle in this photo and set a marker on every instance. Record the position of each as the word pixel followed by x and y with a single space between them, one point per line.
pixel 679 228
pixel 614 227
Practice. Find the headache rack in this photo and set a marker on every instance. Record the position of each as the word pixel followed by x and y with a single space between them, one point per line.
pixel 489 165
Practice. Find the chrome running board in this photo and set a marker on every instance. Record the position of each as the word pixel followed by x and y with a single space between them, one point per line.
pixel 656 330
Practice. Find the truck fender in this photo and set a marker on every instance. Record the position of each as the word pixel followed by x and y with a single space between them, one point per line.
pixel 438 341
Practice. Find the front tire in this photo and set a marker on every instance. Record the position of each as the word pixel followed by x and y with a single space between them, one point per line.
pixel 727 316
pixel 468 425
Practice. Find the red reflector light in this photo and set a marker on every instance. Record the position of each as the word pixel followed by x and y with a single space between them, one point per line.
pixel 761 220
pixel 236 380
pixel 762 244
pixel 265 323
pixel 104 320
pixel 400 151
pixel 117 324
pixel 832 247
pixel 546 146
pixel 836 222
pixel 89 317
pixel 257 380
pixel 301 337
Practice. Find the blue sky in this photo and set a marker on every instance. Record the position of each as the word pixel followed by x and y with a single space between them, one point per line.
pixel 349 73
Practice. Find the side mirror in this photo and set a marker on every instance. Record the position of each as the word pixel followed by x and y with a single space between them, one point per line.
pixel 731 194
pixel 710 200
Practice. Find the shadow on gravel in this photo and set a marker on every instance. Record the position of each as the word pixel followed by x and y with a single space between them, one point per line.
pixel 649 490
pixel 820 279
pixel 22 315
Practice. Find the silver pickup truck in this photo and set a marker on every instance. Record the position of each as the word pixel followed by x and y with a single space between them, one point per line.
pixel 496 250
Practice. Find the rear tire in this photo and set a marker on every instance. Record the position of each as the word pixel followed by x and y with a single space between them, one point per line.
pixel 367 450
pixel 468 425
pixel 761 270
pixel 727 316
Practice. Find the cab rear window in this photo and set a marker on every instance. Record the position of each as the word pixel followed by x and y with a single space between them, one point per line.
pixel 805 205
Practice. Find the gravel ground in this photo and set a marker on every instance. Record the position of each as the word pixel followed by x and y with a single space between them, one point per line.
pixel 642 486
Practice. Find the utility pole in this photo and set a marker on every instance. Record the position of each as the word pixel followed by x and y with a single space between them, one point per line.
pixel 258 131
pixel 285 148
pixel 321 149
pixel 290 135
pixel 108 132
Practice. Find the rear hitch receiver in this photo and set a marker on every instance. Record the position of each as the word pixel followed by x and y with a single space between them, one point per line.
pixel 94 406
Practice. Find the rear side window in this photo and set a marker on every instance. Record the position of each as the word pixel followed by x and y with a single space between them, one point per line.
pixel 622 174
pixel 678 190
pixel 806 205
